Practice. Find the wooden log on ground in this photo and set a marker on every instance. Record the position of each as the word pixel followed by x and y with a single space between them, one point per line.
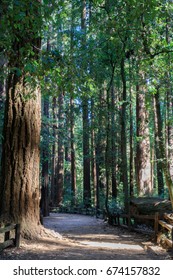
pixel 149 206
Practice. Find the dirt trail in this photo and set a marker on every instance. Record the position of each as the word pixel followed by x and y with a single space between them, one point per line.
pixel 85 237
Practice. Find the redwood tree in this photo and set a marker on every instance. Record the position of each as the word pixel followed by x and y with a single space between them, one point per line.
pixel 19 185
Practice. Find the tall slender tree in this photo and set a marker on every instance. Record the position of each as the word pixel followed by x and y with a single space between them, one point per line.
pixel 124 167
pixel 60 164
pixel 45 155
pixel 85 108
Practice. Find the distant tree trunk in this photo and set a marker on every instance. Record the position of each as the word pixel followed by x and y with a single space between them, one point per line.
pixel 169 96
pixel 101 150
pixel 72 117
pixel 19 185
pixel 73 153
pixel 45 156
pixel 143 161
pixel 113 145
pixel 60 164
pixel 53 165
pixel 93 133
pixel 162 147
pixel 170 130
pixel 108 162
pixel 67 144
pixel 86 155
pixel 86 133
pixel 2 100
pixel 131 167
pixel 124 167
pixel 160 181
pixel 93 152
pixel 45 163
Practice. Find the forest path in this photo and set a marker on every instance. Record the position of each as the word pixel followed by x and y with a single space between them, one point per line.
pixel 102 241
pixel 87 238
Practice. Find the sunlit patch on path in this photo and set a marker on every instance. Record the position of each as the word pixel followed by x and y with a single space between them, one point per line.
pixel 98 238
pixel 116 246
pixel 86 238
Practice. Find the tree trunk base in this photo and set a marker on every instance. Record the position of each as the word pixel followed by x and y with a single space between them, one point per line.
pixel 34 232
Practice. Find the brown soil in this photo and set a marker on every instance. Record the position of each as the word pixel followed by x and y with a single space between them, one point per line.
pixel 85 237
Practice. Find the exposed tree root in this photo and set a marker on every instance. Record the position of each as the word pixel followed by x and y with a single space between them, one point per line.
pixel 34 232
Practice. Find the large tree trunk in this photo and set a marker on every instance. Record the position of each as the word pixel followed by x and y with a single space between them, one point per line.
pixel 19 186
pixel 19 189
pixel 143 161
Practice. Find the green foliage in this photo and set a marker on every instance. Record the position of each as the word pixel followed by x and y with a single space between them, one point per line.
pixel 115 208
pixel 136 32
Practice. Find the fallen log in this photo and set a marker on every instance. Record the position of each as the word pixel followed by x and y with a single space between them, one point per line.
pixel 149 206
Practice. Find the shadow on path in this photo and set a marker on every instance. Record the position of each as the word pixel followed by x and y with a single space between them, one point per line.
pixel 97 236
pixel 85 238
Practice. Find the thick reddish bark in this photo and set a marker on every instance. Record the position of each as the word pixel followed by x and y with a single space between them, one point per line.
pixel 20 194
pixel 19 186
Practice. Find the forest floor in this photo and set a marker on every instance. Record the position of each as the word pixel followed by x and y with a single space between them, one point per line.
pixel 86 238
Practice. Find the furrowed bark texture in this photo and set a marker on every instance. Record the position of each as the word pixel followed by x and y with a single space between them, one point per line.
pixel 19 192
pixel 143 162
